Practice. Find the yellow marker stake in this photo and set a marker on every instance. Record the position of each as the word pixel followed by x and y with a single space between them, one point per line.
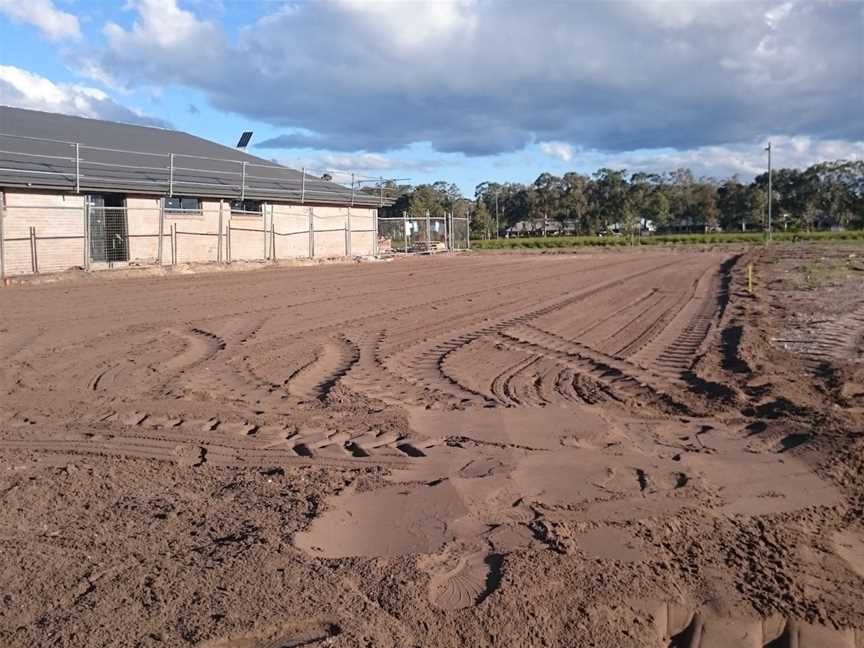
pixel 750 278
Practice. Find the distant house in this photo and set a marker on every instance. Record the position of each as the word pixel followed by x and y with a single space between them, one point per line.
pixel 543 227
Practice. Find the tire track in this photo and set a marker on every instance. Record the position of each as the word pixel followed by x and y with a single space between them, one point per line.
pixel 334 360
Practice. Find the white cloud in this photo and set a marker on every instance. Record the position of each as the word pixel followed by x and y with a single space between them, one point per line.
pixel 42 14
pixel 23 89
pixel 482 78
pixel 776 15
pixel 415 26
pixel 340 166
pixel 560 150
pixel 745 159
pixel 163 38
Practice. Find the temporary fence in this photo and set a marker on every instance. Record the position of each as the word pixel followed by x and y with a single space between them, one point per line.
pixel 76 232
pixel 423 234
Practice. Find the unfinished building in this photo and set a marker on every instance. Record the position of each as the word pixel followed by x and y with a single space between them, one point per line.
pixel 78 192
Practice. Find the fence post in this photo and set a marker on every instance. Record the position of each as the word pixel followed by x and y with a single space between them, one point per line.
pixel 34 257
pixel 446 232
pixel 352 191
pixel 468 229
pixel 86 245
pixel 302 184
pixel 161 229
pixel 86 234
pixel 77 169
pixel 171 174
pixel 228 241
pixel 348 228
pixel 173 244
pixel 219 234
pixel 311 234
pixel 2 245
pixel 381 200
pixel 428 233
pixel 345 232
pixel 272 237
pixel 405 229
pixel 264 230
pixel 452 231
pixel 375 234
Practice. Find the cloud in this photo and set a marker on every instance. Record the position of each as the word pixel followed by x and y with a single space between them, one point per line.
pixel 560 150
pixel 42 14
pixel 474 78
pixel 746 159
pixel 363 164
pixel 23 89
pixel 161 41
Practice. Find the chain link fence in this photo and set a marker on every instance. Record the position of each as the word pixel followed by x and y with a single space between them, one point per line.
pixel 65 232
pixel 422 235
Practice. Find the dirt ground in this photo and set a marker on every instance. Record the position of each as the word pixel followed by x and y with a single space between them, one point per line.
pixel 610 449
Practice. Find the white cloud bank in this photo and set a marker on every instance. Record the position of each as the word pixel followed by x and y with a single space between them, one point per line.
pixel 22 89
pixel 744 159
pixel 42 14
pixel 482 78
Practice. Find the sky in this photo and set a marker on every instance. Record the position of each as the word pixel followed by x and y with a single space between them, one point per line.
pixel 465 91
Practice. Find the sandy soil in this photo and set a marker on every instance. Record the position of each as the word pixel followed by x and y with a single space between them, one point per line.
pixel 611 449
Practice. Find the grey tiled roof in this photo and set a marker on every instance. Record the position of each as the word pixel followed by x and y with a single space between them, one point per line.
pixel 37 150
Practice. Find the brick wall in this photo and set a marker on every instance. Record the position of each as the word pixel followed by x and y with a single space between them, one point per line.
pixel 59 220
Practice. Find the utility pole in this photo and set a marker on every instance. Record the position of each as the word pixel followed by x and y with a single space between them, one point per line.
pixel 768 148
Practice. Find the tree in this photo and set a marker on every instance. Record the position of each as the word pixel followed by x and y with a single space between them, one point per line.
pixel 610 198
pixel 426 200
pixel 658 208
pixel 574 202
pixel 704 207
pixel 482 222
pixel 757 205
pixel 547 193
pixel 732 203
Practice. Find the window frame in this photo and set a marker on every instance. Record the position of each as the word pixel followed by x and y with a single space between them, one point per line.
pixel 180 212
pixel 246 213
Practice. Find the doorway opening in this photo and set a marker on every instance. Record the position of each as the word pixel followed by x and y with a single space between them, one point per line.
pixel 109 237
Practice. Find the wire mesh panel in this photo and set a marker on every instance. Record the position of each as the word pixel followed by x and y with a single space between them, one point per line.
pixel 418 234
pixel 438 234
pixel 460 233
pixel 364 231
pixel 392 235
pixel 60 247
pixel 143 226
pixel 46 237
pixel 248 235
pixel 330 233
pixel 290 231
pixel 194 231
pixel 108 233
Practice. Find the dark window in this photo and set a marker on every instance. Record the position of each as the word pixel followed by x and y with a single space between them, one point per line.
pixel 246 207
pixel 182 205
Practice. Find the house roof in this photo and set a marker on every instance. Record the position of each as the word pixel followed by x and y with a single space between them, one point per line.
pixel 61 152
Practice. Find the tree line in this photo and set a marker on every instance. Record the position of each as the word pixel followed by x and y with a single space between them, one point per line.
pixel 827 194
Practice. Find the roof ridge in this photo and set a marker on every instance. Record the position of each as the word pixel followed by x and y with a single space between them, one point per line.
pixel 96 119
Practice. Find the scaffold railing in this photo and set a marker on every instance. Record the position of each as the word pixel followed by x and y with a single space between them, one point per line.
pixel 73 166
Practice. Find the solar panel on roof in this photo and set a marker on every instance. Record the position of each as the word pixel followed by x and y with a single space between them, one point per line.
pixel 244 139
